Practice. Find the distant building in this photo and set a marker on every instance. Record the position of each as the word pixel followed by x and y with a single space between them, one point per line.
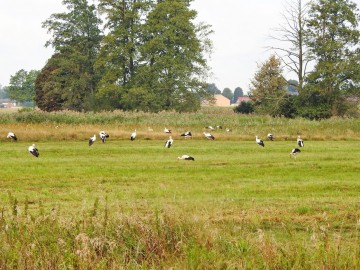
pixel 241 99
pixel 7 103
pixel 219 101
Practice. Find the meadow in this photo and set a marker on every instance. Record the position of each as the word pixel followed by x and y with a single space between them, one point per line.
pixel 134 205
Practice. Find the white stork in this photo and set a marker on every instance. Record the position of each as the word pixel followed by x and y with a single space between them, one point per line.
pixel 133 135
pixel 187 134
pixel 209 127
pixel 209 136
pixel 270 137
pixel 92 140
pixel 186 157
pixel 11 136
pixel 33 150
pixel 219 127
pixel 300 141
pixel 259 141
pixel 167 130
pixel 103 136
pixel 169 142
pixel 294 152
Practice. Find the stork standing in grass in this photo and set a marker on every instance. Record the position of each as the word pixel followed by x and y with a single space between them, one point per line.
pixel 259 141
pixel 103 136
pixel 11 136
pixel 187 134
pixel 294 152
pixel 300 141
pixel 270 137
pixel 167 130
pixel 209 136
pixel 33 150
pixel 133 135
pixel 169 142
pixel 186 157
pixel 92 140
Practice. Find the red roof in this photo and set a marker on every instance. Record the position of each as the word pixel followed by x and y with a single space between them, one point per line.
pixel 241 99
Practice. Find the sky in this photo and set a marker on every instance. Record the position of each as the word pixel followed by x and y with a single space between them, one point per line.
pixel 241 35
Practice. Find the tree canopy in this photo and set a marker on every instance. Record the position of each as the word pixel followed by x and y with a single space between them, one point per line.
pixel 22 86
pixel 152 57
pixel 268 87
pixel 76 39
pixel 333 38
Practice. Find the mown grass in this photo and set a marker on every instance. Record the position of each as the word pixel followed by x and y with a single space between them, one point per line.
pixel 133 205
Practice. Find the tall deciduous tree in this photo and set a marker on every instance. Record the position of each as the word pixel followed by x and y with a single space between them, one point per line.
pixel 212 88
pixel 333 38
pixel 228 93
pixel 119 56
pixel 238 92
pixel 174 67
pixel 76 39
pixel 268 87
pixel 22 85
pixel 291 33
pixel 48 86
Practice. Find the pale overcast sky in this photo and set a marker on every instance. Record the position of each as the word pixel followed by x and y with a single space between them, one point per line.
pixel 241 35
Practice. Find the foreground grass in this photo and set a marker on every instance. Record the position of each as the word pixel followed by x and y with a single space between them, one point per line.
pixel 134 205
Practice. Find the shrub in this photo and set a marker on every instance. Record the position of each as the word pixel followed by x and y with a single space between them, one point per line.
pixel 244 107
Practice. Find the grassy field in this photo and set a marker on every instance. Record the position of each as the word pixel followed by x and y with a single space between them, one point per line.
pixel 134 205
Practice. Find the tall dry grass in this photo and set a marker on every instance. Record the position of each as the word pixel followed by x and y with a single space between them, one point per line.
pixel 103 238
pixel 67 125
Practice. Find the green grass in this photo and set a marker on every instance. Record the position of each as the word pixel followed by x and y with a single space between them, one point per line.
pixel 134 205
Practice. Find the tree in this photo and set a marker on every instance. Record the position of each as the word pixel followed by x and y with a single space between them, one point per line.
pixel 48 87
pixel 76 39
pixel 174 67
pixel 120 53
pixel 292 32
pixel 238 92
pixel 22 86
pixel 333 38
pixel 268 87
pixel 228 93
pixel 3 92
pixel 212 88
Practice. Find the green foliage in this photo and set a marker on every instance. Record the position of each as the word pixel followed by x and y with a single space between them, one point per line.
pixel 173 58
pixel 120 53
pixel 3 92
pixel 333 38
pixel 238 92
pixel 22 85
pixel 48 88
pixel 69 80
pixel 313 105
pixel 228 93
pixel 139 99
pixel 268 87
pixel 152 57
pixel 244 107
pixel 212 89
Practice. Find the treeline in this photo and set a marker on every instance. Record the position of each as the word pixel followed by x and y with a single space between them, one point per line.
pixel 324 33
pixel 149 56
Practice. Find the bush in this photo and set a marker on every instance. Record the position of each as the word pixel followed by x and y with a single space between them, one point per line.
pixel 244 107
